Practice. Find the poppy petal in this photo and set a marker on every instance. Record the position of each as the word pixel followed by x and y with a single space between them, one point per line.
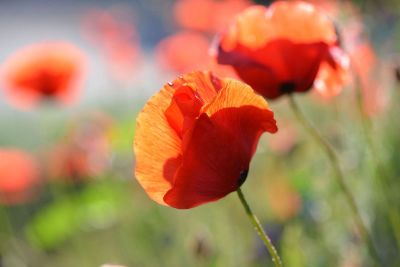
pixel 300 22
pixel 184 108
pixel 296 21
pixel 333 74
pixel 192 91
pixel 152 133
pixel 270 68
pixel 252 118
pixel 204 83
pixel 216 157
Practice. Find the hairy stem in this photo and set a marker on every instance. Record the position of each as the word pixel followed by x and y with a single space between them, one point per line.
pixel 260 231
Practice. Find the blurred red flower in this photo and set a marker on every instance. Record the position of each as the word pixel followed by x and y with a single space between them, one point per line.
pixel 207 15
pixel 19 174
pixel 183 51
pixel 50 70
pixel 85 152
pixel 113 32
pixel 283 49
pixel 186 51
pixel 195 139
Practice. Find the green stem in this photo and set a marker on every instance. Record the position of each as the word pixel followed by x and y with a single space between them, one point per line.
pixel 260 231
pixel 382 176
pixel 6 230
pixel 367 130
pixel 338 176
pixel 6 222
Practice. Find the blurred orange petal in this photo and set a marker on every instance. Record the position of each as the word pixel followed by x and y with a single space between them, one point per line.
pixel 296 21
pixel 331 78
pixel 19 174
pixel 183 51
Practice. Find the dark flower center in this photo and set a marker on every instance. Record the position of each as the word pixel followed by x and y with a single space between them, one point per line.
pixel 242 177
pixel 287 87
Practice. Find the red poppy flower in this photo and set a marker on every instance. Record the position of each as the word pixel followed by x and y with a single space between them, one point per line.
pixel 51 70
pixel 280 49
pixel 18 174
pixel 195 139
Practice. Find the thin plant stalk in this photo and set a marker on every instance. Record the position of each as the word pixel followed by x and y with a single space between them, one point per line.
pixel 9 232
pixel 338 175
pixel 7 229
pixel 260 231
pixel 382 176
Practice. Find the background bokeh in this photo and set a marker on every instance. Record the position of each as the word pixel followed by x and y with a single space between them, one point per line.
pixel 86 209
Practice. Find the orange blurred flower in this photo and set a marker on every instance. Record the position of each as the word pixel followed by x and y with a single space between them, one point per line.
pixel 50 70
pixel 19 174
pixel 85 152
pixel 195 139
pixel 189 50
pixel 207 15
pixel 113 32
pixel 183 51
pixel 284 48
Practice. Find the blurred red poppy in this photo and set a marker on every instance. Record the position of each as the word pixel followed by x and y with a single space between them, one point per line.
pixel 185 51
pixel 195 139
pixel 114 33
pixel 19 174
pixel 50 70
pixel 207 15
pixel 281 49
pixel 85 152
